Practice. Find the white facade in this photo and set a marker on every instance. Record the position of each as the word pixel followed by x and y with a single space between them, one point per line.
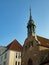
pixel 9 57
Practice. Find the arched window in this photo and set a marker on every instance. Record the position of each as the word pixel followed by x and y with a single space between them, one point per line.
pixel 30 62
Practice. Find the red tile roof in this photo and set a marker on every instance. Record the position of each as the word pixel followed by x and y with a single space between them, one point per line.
pixel 43 41
pixel 15 45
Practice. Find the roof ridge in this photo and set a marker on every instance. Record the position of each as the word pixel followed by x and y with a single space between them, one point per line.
pixel 11 42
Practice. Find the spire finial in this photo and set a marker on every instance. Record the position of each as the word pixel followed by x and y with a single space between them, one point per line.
pixel 30 14
pixel 30 11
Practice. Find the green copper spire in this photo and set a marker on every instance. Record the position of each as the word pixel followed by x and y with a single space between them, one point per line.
pixel 31 26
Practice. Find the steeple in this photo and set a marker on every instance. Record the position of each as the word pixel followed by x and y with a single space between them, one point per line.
pixel 30 15
pixel 31 26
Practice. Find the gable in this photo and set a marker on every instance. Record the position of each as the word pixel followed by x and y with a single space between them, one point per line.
pixel 15 45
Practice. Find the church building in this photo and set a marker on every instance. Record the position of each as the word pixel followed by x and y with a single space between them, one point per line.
pixel 35 48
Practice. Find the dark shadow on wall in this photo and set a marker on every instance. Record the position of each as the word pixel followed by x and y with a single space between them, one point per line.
pixel 43 63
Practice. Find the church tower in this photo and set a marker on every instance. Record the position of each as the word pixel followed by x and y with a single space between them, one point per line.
pixel 35 50
pixel 30 48
pixel 31 26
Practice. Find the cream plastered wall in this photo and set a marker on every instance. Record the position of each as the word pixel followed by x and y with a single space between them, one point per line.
pixel 12 57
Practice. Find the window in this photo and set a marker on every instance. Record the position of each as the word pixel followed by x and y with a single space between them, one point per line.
pixel 30 44
pixel 4 63
pixel 1 58
pixel 19 63
pixel 16 63
pixel 18 55
pixel 5 56
pixel 0 51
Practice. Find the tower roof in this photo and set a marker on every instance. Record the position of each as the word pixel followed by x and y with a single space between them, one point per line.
pixel 31 26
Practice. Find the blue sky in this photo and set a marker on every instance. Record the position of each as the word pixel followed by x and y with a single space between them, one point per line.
pixel 14 16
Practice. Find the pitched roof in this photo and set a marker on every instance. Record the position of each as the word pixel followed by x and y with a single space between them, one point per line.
pixel 43 41
pixel 15 45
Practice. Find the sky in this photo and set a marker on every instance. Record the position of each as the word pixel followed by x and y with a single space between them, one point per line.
pixel 14 16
